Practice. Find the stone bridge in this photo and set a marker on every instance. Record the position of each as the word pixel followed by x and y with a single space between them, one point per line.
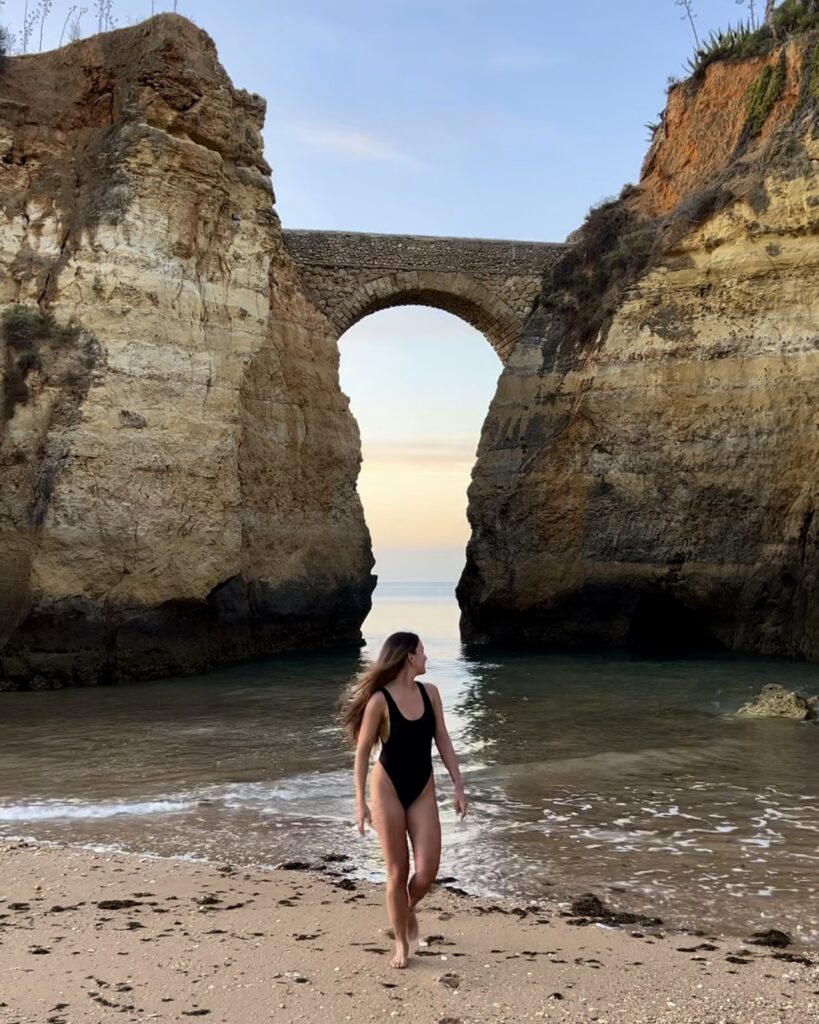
pixel 487 282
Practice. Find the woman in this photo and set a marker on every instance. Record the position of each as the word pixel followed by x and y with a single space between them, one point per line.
pixel 387 702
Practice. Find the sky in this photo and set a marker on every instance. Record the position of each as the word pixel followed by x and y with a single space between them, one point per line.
pixel 477 118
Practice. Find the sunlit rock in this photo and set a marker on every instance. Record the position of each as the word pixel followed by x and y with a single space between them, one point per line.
pixel 177 461
pixel 774 701
pixel 648 472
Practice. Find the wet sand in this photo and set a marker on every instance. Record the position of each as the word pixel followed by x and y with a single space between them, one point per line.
pixel 101 938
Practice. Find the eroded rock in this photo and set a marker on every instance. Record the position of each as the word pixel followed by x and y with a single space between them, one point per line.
pixel 774 701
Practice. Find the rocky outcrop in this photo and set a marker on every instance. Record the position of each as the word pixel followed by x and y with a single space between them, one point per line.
pixel 178 463
pixel 648 477
pixel 774 701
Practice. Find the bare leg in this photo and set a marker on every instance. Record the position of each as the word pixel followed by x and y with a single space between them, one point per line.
pixel 412 927
pixel 424 828
pixel 390 822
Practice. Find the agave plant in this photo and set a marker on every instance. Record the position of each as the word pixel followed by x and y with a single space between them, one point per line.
pixel 742 40
pixel 748 39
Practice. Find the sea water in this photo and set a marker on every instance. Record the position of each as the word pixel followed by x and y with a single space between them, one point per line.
pixel 631 779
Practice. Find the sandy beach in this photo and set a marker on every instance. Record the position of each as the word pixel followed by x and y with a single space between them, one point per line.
pixel 101 937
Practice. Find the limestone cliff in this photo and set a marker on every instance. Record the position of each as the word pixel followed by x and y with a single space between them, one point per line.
pixel 177 462
pixel 653 482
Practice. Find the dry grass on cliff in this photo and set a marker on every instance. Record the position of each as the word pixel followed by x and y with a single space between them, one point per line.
pixel 611 251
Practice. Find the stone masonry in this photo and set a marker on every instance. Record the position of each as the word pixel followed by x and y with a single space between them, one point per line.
pixel 490 283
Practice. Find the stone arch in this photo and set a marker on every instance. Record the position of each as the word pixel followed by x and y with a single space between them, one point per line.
pixel 454 293
pixel 492 284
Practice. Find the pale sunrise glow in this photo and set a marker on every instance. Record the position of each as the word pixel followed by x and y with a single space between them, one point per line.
pixel 415 497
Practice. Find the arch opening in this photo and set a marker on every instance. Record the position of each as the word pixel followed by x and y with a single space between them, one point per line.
pixel 419 381
pixel 454 294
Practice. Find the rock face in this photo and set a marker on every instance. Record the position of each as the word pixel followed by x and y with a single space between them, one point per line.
pixel 655 486
pixel 774 701
pixel 178 463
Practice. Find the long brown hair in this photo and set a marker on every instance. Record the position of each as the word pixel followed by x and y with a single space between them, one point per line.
pixel 391 659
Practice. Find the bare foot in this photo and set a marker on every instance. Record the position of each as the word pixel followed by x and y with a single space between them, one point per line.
pixel 401 955
pixel 412 928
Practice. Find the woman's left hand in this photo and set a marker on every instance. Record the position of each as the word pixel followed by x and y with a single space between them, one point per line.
pixel 460 802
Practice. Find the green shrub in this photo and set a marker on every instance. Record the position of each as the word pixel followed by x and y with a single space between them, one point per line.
pixel 604 225
pixel 813 80
pixel 28 360
pixel 794 16
pixel 26 331
pixel 697 207
pixel 63 334
pixel 758 198
pixel 612 249
pixel 630 254
pixel 23 326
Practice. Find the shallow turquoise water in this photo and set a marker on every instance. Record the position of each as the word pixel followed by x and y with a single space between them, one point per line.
pixel 632 779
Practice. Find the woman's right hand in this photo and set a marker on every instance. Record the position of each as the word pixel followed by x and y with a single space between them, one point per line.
pixel 362 816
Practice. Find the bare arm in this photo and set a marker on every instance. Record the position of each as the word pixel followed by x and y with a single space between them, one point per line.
pixel 446 750
pixel 370 724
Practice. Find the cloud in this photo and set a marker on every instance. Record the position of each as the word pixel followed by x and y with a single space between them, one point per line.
pixel 430 455
pixel 353 143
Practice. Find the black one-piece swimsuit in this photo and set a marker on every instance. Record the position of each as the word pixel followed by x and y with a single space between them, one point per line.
pixel 407 753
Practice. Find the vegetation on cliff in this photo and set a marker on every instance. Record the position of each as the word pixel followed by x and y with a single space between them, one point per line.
pixel 614 247
pixel 748 39
pixel 611 250
pixel 813 79
pixel 764 93
pixel 37 14
pixel 28 335
pixel 617 244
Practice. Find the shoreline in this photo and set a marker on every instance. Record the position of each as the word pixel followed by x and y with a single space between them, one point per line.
pixel 560 897
pixel 89 935
pixel 558 900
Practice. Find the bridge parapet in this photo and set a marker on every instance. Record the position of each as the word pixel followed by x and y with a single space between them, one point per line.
pixel 420 252
pixel 490 283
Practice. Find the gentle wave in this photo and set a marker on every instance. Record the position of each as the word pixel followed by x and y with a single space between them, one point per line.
pixel 48 810
pixel 306 790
